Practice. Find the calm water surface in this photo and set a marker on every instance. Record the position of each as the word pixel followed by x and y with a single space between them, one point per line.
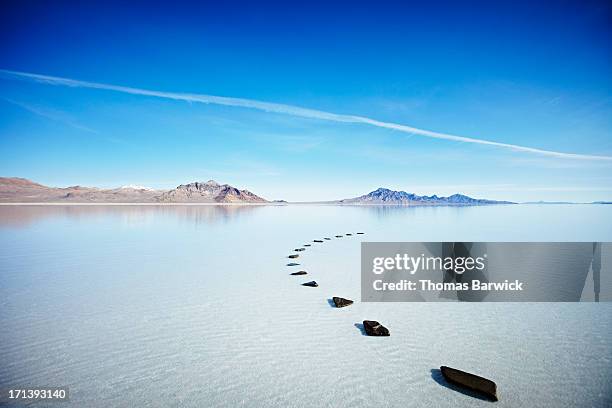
pixel 193 306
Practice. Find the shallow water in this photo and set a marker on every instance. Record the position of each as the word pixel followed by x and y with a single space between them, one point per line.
pixel 194 306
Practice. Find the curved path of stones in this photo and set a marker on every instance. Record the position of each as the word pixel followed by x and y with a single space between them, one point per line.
pixel 471 382
pixel 371 327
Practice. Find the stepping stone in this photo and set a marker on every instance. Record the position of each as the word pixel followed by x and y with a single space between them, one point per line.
pixel 341 302
pixel 327 238
pixel 292 264
pixel 338 236
pixel 293 256
pixel 299 273
pixel 349 235
pixel 312 284
pixel 373 328
pixel 307 245
pixel 470 381
pixel 317 240
pixel 360 233
pixel 299 249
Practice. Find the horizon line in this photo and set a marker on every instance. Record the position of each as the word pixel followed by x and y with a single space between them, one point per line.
pixel 292 110
pixel 283 201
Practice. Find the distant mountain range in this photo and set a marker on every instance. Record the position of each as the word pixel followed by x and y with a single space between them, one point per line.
pixel 209 192
pixel 19 190
pixel 391 197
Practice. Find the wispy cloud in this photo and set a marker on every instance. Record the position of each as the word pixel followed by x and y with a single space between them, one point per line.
pixel 294 111
pixel 50 114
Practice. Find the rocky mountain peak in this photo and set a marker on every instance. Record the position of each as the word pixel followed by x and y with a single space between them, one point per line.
pixel 386 196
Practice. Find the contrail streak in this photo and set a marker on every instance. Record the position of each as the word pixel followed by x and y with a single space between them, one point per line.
pixel 290 110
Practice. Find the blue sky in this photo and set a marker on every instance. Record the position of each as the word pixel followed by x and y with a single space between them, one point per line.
pixel 535 76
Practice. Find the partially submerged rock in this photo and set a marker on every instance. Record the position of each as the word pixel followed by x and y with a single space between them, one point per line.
pixel 470 381
pixel 327 238
pixel 349 235
pixel 317 240
pixel 292 264
pixel 293 256
pixel 299 249
pixel 312 284
pixel 307 244
pixel 341 302
pixel 373 328
pixel 299 273
pixel 360 233
pixel 338 236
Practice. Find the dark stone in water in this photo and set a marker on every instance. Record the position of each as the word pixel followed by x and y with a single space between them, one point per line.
pixel 306 244
pixel 326 238
pixel 338 236
pixel 299 273
pixel 349 235
pixel 360 233
pixel 292 264
pixel 317 240
pixel 299 249
pixel 312 284
pixel 293 256
pixel 373 328
pixel 341 302
pixel 470 381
